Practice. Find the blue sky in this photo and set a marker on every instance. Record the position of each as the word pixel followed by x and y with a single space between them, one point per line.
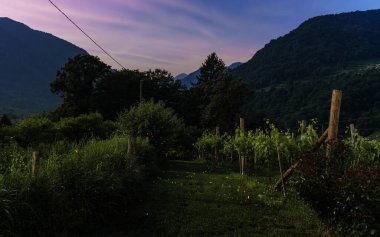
pixel 176 35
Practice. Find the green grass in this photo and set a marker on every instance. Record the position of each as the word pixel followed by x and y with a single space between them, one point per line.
pixel 195 199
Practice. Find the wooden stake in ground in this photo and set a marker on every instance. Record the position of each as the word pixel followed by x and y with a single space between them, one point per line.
pixel 352 132
pixel 216 145
pixel 141 90
pixel 282 176
pixel 242 158
pixel 35 156
pixel 130 145
pixel 336 100
pixel 303 126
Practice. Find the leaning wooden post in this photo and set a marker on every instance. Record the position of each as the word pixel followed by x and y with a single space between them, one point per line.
pixel 291 169
pixel 352 132
pixel 242 158
pixel 35 156
pixel 336 101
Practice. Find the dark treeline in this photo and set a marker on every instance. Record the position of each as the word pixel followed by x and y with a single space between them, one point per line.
pixel 88 85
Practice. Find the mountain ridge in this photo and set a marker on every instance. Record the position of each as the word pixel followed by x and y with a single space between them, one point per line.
pixel 29 60
pixel 292 76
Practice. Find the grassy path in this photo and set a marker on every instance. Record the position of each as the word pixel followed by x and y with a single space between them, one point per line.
pixel 191 199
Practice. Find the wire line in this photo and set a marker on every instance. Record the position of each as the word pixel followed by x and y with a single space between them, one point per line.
pixel 77 26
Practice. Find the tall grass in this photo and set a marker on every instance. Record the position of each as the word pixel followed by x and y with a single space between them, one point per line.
pixel 76 185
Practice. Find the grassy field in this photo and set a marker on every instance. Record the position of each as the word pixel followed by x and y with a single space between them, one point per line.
pixel 195 199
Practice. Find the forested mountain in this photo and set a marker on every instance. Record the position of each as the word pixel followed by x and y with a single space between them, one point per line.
pixel 29 61
pixel 292 76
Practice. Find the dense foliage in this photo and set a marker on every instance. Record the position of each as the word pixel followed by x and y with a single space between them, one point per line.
pixel 159 124
pixel 216 87
pixel 75 185
pixel 346 197
pixel 37 130
pixel 75 83
pixel 261 147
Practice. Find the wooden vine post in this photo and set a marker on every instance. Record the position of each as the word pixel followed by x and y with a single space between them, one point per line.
pixel 303 126
pixel 352 132
pixel 281 173
pixel 332 134
pixel 130 145
pixel 242 159
pixel 329 136
pixel 217 134
pixel 35 157
pixel 141 90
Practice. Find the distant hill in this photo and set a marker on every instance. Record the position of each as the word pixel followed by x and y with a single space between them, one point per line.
pixel 292 76
pixel 29 60
pixel 181 76
pixel 192 78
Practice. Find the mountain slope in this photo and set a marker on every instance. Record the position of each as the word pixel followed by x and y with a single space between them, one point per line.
pixel 292 76
pixel 29 60
pixel 181 76
pixel 192 78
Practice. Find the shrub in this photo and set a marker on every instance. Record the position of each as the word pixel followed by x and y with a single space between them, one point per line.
pixel 347 199
pixel 34 130
pixel 154 121
pixel 84 126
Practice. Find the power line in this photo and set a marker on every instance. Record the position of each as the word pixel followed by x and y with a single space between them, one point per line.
pixel 100 47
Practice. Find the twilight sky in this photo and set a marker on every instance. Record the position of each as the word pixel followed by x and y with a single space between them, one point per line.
pixel 176 35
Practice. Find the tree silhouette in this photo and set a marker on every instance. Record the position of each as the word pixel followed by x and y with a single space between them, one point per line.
pixel 75 83
pixel 5 121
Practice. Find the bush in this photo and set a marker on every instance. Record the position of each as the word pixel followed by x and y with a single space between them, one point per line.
pixel 347 199
pixel 84 126
pixel 34 130
pixel 156 122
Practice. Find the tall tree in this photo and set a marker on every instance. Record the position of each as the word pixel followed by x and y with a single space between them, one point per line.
pixel 117 91
pixel 219 95
pixel 5 121
pixel 226 98
pixel 75 83
pixel 160 85
pixel 211 69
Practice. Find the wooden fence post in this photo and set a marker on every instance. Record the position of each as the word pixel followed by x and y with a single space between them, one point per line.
pixel 130 145
pixel 352 132
pixel 35 157
pixel 303 126
pixel 216 147
pixel 141 90
pixel 332 135
pixel 243 162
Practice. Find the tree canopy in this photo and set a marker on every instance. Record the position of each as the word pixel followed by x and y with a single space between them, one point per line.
pixel 75 83
pixel 219 95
